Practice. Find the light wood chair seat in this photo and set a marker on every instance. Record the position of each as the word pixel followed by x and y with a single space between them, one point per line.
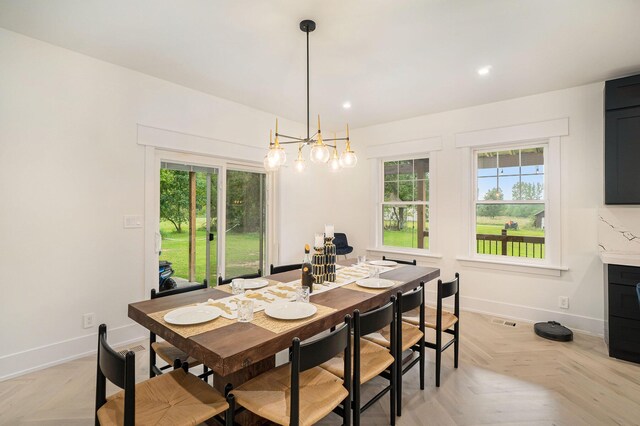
pixel 430 316
pixel 410 336
pixel 374 359
pixel 170 353
pixel 269 394
pixel 174 398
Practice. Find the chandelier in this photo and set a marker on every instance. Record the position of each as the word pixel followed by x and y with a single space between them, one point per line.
pixel 321 151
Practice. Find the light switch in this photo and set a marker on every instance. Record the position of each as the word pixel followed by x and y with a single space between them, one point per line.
pixel 132 221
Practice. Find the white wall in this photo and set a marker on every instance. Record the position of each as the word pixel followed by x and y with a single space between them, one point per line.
pixel 70 168
pixel 528 296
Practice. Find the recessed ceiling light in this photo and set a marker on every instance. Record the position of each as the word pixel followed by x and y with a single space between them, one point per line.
pixel 484 70
pixel 346 105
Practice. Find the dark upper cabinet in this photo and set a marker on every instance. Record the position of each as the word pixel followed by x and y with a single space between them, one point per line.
pixel 622 92
pixel 622 141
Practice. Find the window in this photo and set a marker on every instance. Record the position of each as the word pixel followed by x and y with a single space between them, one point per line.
pixel 405 203
pixel 510 202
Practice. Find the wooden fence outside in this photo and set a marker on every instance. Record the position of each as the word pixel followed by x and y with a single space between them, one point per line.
pixel 510 245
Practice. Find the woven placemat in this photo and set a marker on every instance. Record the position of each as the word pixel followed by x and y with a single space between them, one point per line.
pixel 280 326
pixel 356 287
pixel 227 287
pixel 187 331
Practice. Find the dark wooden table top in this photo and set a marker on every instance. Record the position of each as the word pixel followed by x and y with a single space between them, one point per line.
pixel 229 349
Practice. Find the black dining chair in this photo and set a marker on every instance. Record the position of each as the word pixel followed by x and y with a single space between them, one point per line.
pixel 342 245
pixel 442 321
pixel 371 360
pixel 301 392
pixel 222 281
pixel 165 350
pixel 285 268
pixel 403 262
pixel 164 399
pixel 409 338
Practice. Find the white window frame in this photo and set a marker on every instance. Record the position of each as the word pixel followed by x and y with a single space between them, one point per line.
pixel 379 232
pixel 475 201
pixel 526 135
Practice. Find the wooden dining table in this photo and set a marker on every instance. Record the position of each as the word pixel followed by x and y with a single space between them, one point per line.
pixel 238 351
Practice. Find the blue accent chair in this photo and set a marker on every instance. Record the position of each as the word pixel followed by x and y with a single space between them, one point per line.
pixel 342 245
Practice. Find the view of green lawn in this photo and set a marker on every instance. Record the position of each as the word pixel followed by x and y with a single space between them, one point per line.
pixel 495 226
pixel 242 257
pixel 407 237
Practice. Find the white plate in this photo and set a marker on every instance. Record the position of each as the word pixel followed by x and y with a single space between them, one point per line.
pixel 254 283
pixel 290 310
pixel 383 262
pixel 192 315
pixel 375 283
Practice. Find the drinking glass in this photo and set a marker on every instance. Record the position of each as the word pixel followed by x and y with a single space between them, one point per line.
pixel 374 272
pixel 245 310
pixel 302 294
pixel 362 260
pixel 237 286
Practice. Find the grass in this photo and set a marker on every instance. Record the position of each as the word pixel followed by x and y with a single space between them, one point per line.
pixel 494 226
pixel 242 254
pixel 407 237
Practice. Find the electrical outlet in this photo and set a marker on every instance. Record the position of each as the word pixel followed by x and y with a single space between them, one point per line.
pixel 563 302
pixel 88 320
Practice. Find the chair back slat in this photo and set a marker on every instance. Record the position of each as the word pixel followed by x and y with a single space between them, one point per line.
pixel 111 363
pixel 377 319
pixel 119 370
pixel 222 281
pixel 324 348
pixel 403 262
pixel 285 268
pixel 412 300
pixel 449 288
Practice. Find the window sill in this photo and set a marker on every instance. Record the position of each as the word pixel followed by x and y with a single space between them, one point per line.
pixel 525 268
pixel 406 252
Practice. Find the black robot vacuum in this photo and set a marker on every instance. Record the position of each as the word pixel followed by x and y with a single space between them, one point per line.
pixel 553 331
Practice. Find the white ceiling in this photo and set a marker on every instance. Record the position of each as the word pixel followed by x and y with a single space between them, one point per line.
pixel 390 59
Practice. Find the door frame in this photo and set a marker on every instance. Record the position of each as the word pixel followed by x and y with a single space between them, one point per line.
pixel 153 159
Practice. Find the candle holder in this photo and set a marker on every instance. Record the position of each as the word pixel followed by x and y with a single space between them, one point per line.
pixel 330 259
pixel 318 265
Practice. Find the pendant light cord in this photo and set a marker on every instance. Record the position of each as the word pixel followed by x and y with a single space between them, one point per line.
pixel 307 84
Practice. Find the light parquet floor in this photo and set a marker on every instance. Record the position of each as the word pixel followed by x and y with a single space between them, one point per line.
pixel 507 376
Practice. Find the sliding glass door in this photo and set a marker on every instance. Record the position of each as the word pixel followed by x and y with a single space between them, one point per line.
pixel 245 222
pixel 197 203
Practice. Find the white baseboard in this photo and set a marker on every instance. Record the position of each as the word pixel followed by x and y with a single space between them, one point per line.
pixel 577 323
pixel 24 362
pixel 19 363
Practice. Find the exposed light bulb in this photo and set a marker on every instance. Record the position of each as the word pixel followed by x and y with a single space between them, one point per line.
pixel 334 164
pixel 348 159
pixel 277 155
pixel 299 165
pixel 269 164
pixel 346 105
pixel 319 153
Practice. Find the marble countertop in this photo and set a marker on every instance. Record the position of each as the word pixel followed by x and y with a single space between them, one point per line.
pixel 618 240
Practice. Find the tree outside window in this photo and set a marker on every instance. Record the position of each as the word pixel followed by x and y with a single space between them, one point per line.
pixel 405 205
